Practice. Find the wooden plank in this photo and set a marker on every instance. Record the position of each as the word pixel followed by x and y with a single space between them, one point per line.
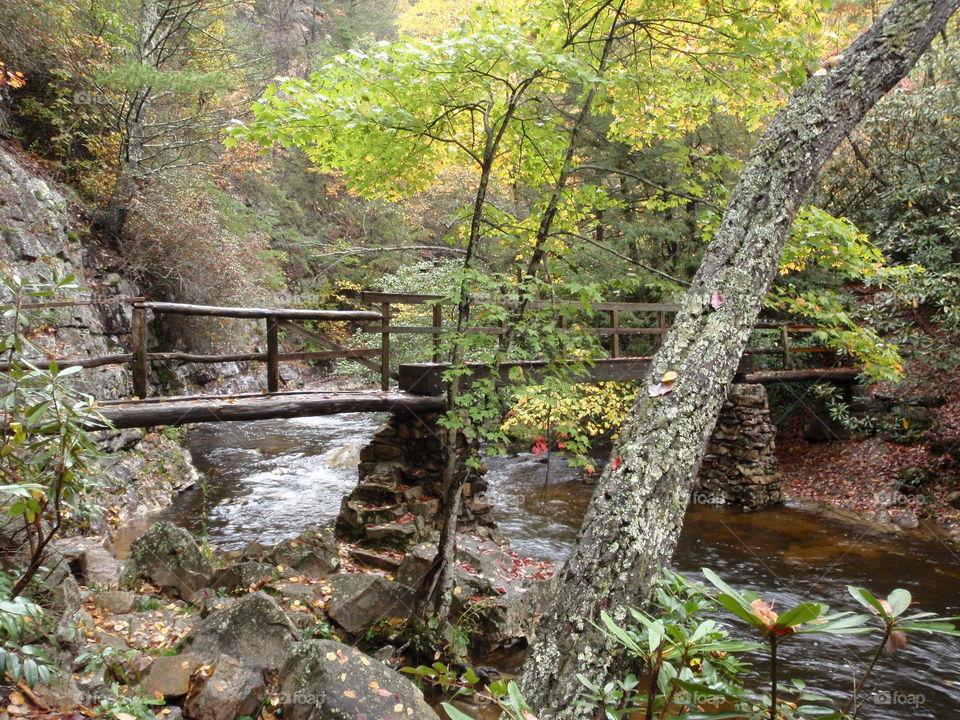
pixel 426 378
pixel 428 330
pixel 273 350
pixel 263 407
pixel 73 303
pixel 785 342
pixel 564 324
pixel 622 331
pixel 260 313
pixel 194 358
pixel 139 364
pixel 327 342
pixel 350 353
pixel 376 298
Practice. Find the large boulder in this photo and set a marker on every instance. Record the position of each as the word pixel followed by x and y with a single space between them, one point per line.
pixel 243 576
pixel 169 557
pixel 314 552
pixel 327 680
pixel 169 675
pixel 232 690
pixel 360 600
pixel 253 629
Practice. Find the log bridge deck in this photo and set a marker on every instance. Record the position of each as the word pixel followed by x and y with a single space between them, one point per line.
pixel 421 385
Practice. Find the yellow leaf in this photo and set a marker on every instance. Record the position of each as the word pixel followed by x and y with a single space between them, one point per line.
pixel 350 694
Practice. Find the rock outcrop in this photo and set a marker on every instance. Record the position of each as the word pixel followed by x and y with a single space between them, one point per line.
pixel 327 680
pixel 253 630
pixel 169 557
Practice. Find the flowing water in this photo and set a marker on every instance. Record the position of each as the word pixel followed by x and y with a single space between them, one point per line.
pixel 266 480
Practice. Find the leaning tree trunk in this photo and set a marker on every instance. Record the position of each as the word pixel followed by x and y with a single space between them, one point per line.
pixel 636 512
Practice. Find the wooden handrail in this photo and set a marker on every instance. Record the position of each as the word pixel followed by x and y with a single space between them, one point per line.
pixel 373 298
pixel 277 319
pixel 260 313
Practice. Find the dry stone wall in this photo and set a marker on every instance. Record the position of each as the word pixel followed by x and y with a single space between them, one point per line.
pixel 739 467
pixel 398 498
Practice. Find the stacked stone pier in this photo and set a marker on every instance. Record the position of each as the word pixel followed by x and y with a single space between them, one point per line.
pixel 397 501
pixel 398 498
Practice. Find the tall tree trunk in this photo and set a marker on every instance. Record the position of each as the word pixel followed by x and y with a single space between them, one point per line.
pixel 636 512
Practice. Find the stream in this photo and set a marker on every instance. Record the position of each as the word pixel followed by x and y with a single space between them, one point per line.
pixel 267 480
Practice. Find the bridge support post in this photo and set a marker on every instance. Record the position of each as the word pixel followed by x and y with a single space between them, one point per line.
pixel 398 500
pixel 739 467
pixel 139 365
pixel 273 353
pixel 385 347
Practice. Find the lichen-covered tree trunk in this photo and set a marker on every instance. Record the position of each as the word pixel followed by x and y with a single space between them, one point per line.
pixel 631 526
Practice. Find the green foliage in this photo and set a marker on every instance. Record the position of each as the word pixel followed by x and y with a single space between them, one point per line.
pixel 20 625
pixel 695 665
pixel 119 703
pixel 897 179
pixel 823 252
pixel 578 416
pixel 108 663
pixel 47 456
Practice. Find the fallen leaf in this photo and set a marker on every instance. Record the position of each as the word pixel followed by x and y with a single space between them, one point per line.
pixel 716 300
pixel 659 389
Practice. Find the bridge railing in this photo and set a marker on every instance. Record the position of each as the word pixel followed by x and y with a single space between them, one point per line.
pixel 387 302
pixel 785 348
pixel 275 319
pixel 379 322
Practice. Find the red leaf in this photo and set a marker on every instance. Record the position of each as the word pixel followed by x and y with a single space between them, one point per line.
pixel 617 462
pixel 716 300
pixel 539 446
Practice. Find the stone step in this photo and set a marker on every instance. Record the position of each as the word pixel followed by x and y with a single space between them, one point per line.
pixel 375 560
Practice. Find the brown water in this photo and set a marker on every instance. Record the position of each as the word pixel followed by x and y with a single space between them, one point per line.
pixel 268 479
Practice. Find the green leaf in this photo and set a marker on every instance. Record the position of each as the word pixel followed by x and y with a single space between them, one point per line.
pixel 899 601
pixel 866 598
pixel 802 613
pixel 741 611
pixel 455 714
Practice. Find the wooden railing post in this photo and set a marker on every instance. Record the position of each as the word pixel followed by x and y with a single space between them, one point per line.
pixel 139 365
pixel 437 323
pixel 662 326
pixel 615 338
pixel 785 339
pixel 273 351
pixel 385 347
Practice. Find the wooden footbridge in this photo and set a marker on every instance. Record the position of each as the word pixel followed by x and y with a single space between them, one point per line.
pixel 419 385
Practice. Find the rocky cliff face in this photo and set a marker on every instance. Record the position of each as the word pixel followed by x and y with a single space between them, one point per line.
pixel 40 241
pixel 38 244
